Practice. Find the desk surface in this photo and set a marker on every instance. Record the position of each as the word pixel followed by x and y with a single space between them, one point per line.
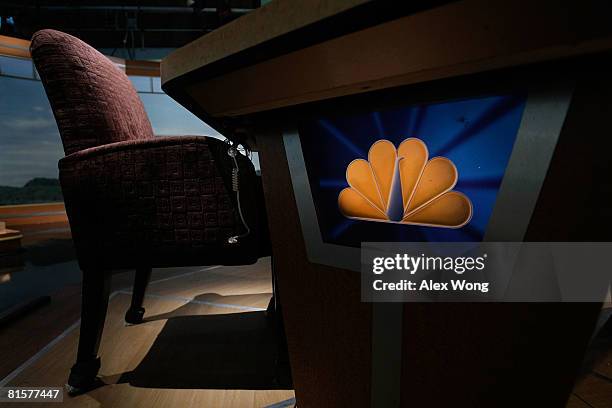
pixel 409 46
pixel 281 28
pixel 273 20
pixel 459 348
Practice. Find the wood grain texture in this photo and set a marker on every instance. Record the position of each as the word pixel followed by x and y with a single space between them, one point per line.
pixel 273 20
pixel 33 216
pixel 603 366
pixel 26 209
pixel 63 310
pixel 478 353
pixel 328 328
pixel 142 68
pixel 14 47
pixel 169 308
pixel 474 352
pixel 454 355
pixel 47 322
pixel 595 391
pixel 460 38
pixel 575 402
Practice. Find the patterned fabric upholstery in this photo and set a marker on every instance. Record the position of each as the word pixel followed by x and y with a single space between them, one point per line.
pixel 93 101
pixel 134 199
pixel 165 201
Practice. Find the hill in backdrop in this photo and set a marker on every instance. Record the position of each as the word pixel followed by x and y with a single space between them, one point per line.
pixel 37 190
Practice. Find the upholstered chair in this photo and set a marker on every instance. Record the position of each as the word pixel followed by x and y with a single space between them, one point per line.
pixel 136 201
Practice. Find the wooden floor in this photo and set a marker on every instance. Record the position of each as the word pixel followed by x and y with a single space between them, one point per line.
pixel 201 346
pixel 593 387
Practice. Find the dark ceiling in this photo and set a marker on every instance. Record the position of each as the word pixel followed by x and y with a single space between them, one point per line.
pixel 122 24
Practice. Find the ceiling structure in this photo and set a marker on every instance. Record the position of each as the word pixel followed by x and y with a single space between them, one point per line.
pixel 122 27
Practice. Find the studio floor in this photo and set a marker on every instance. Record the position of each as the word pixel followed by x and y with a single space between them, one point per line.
pixel 205 343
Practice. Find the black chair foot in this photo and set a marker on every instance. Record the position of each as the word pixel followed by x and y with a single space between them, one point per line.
pixel 83 376
pixel 134 315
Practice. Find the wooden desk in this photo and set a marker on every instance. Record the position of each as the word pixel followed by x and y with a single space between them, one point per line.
pixel 263 72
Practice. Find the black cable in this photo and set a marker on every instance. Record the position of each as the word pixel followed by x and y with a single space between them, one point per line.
pixel 232 152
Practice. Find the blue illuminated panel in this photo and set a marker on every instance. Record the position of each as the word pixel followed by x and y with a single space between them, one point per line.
pixel 477 135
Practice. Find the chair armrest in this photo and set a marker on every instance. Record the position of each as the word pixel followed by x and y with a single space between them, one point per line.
pixel 164 196
pixel 137 146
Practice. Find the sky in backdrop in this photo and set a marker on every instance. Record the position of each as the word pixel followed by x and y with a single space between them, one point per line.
pixel 30 144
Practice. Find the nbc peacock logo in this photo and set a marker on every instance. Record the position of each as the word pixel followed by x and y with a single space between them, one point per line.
pixel 404 186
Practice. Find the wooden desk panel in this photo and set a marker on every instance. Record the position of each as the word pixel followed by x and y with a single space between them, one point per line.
pixel 460 38
pixel 452 355
pixel 327 327
pixel 273 20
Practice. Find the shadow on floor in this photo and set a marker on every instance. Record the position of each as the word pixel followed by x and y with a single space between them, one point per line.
pixel 225 351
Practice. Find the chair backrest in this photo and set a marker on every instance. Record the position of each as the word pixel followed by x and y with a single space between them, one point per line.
pixel 93 101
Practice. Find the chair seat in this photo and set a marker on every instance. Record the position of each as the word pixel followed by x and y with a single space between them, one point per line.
pixel 166 201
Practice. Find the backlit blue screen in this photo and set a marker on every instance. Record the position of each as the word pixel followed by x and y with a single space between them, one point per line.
pixel 476 134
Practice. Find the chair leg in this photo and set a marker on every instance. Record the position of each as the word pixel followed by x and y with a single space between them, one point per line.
pixel 96 287
pixel 273 304
pixel 135 313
